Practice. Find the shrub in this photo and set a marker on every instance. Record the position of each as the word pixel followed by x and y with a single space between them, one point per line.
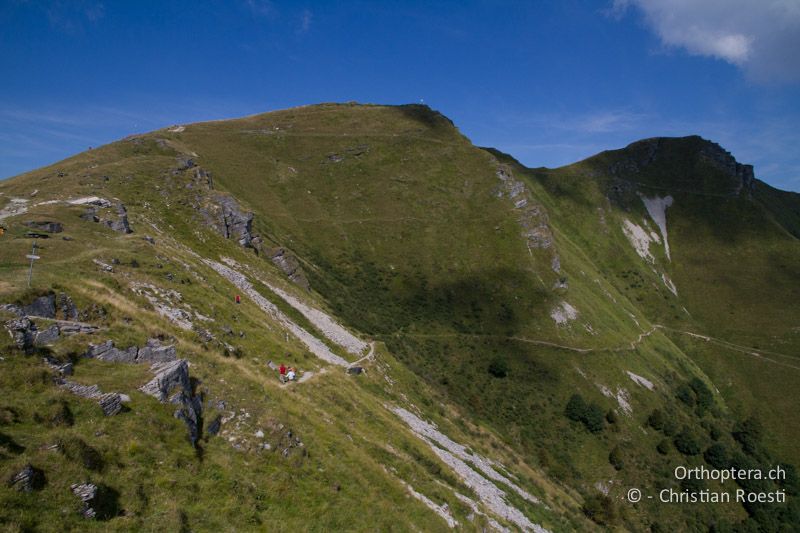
pixel 600 509
pixel 576 408
pixel 663 447
pixel 594 419
pixel 686 443
pixel 498 368
pixel 685 394
pixel 612 417
pixel 748 434
pixel 615 458
pixel 656 420
pixel 703 395
pixel 717 456
pixel 591 415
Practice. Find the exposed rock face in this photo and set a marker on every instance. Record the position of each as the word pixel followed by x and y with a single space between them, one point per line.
pixel 191 412
pixel 121 224
pixel 531 216
pixel 62 369
pixel 723 160
pixel 153 351
pixel 26 335
pixel 110 403
pixel 172 375
pixel 87 492
pixel 290 266
pixel 641 154
pixel 66 308
pixel 226 216
pixel 28 479
pixel 43 306
pixel 167 377
pixel 46 226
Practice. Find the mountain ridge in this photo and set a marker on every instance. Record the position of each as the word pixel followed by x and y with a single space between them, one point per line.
pixel 491 293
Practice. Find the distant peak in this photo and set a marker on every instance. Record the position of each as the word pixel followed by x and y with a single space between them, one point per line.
pixel 657 153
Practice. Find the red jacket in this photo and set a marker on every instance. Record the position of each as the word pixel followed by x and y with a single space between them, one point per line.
pixel 282 370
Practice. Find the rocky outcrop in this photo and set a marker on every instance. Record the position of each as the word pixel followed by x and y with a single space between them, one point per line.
pixel 152 351
pixel 66 308
pixel 26 335
pixel 175 375
pixel 43 306
pixel 531 216
pixel 223 213
pixel 28 479
pixel 289 265
pixel 167 377
pixel 87 493
pixel 45 225
pixel 720 158
pixel 121 223
pixel 61 369
pixel 110 403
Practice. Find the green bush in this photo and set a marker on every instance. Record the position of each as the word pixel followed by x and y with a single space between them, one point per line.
pixel 656 420
pixel 703 396
pixel 717 456
pixel 591 415
pixel 600 509
pixel 615 458
pixel 663 447
pixel 748 434
pixel 594 419
pixel 498 368
pixel 576 408
pixel 686 443
pixel 685 394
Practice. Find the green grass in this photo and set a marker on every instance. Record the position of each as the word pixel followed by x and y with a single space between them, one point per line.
pixel 393 215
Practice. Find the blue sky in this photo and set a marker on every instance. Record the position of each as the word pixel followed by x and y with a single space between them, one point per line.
pixel 548 82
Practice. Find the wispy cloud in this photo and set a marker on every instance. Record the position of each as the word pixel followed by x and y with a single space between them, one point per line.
pixel 261 8
pixel 306 18
pixel 761 37
pixel 71 17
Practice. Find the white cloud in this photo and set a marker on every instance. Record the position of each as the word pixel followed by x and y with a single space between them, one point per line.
pixel 760 36
pixel 305 21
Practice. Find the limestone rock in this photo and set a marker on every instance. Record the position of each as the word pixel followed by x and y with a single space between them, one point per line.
pixel 289 265
pixel 151 352
pixel 28 479
pixel 87 492
pixel 111 403
pixel 43 306
pixel 22 331
pixel 47 336
pixel 168 376
pixel 45 225
pixel 121 224
pixel 66 308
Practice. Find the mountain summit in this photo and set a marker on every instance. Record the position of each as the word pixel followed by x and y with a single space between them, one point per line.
pixel 475 344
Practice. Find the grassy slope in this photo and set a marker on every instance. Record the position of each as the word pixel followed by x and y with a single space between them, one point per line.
pixel 405 241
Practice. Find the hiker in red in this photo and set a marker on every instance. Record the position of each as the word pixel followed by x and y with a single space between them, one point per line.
pixel 238 299
pixel 282 372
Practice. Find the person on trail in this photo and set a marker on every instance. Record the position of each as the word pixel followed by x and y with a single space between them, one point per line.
pixel 291 374
pixel 282 373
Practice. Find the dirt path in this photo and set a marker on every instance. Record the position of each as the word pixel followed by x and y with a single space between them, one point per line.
pixel 748 350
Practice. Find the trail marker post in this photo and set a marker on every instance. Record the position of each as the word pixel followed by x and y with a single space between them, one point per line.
pixel 33 257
